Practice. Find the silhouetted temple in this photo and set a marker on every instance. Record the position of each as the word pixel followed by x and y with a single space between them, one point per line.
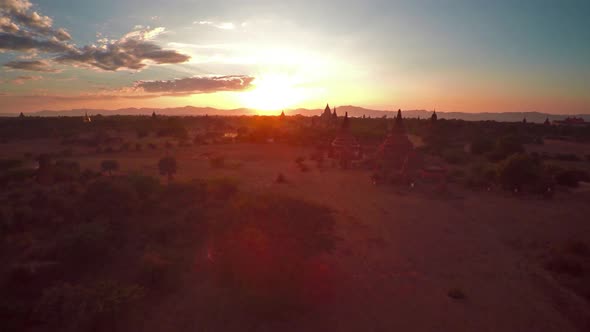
pixel 345 147
pixel 329 118
pixel 327 115
pixel 86 118
pixel 434 117
pixel 547 122
pixel 396 147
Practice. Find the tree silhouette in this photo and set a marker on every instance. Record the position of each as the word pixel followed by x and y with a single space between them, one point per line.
pixel 168 167
pixel 109 166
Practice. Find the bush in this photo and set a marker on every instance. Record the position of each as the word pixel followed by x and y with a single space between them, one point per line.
pixel 16 176
pixel 109 166
pixel 566 157
pixel 564 265
pixel 110 198
pixel 281 178
pixel 519 170
pixel 84 243
pixel 571 178
pixel 64 170
pixel 263 248
pixel 505 147
pixel 168 166
pixel 155 270
pixel 217 162
pixel 455 156
pixel 7 164
pixel 222 188
pixel 481 145
pixel 79 307
pixel 146 187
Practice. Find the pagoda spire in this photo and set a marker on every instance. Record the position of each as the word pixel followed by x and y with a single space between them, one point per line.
pixel 345 122
pixel 398 118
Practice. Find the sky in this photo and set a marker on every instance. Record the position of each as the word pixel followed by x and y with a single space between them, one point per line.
pixel 464 56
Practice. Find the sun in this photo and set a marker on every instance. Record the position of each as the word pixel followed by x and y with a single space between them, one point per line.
pixel 272 93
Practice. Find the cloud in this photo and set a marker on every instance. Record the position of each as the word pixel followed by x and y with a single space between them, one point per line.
pixel 13 42
pixel 130 52
pixel 22 79
pixel 13 12
pixel 196 85
pixel 35 65
pixel 219 25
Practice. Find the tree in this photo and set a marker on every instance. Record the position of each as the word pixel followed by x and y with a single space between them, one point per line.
pixel 109 166
pixel 168 167
pixel 519 170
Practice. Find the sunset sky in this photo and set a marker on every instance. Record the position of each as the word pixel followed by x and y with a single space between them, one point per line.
pixel 470 56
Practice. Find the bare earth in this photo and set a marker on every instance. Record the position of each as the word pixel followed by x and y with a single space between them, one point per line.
pixel 399 253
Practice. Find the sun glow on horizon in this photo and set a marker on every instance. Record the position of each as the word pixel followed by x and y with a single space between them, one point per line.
pixel 274 92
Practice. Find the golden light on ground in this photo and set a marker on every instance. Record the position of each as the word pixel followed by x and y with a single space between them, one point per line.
pixel 274 92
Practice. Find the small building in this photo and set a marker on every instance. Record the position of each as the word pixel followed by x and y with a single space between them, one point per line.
pixel 571 121
pixel 86 118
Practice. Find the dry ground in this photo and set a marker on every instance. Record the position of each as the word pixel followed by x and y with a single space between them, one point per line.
pixel 399 253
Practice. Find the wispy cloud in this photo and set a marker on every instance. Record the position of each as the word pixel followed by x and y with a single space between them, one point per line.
pixel 35 65
pixel 218 25
pixel 20 80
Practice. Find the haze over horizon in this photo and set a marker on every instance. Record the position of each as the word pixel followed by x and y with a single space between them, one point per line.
pixel 458 56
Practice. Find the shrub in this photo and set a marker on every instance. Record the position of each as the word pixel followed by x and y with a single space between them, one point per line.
pixel 505 147
pixel 83 243
pixel 519 170
pixel 155 270
pixel 481 145
pixel 564 265
pixel 145 186
pixel 217 162
pixel 80 307
pixel 141 133
pixel 281 178
pixel 110 198
pixel 571 178
pixel 456 294
pixel 16 175
pixel 65 170
pixel 455 156
pixel 566 157
pixel 109 166
pixel 168 167
pixel 263 247
pixel 7 164
pixel 222 188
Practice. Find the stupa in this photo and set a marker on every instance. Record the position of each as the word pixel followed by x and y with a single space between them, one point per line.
pixel 345 147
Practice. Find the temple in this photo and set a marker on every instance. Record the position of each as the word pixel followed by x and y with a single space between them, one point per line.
pixel 396 147
pixel 345 147
pixel 329 118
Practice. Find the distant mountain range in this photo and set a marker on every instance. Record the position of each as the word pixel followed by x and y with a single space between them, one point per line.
pixel 353 111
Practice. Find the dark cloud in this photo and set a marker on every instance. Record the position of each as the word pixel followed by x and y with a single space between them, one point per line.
pixel 35 65
pixel 14 42
pixel 127 53
pixel 31 22
pixel 197 84
pixel 24 30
